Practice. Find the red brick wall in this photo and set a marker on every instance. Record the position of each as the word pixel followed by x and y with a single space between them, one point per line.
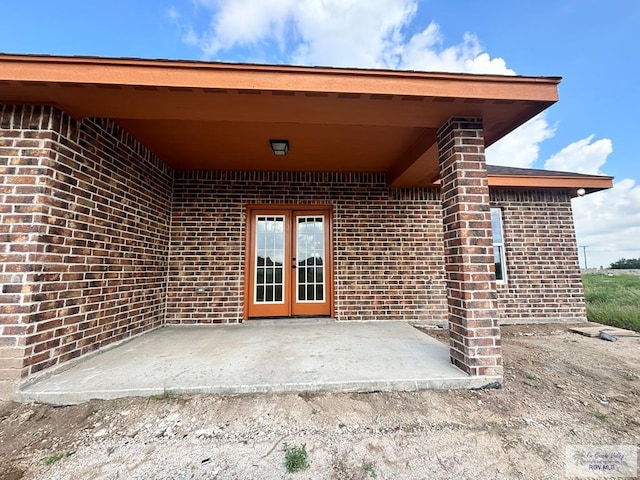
pixel 388 260
pixel 99 242
pixel 543 274
pixel 90 208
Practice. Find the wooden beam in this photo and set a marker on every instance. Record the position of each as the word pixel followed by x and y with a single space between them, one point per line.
pixel 416 153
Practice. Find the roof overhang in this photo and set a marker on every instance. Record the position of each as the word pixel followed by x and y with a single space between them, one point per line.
pixel 217 116
pixel 572 183
pixel 576 184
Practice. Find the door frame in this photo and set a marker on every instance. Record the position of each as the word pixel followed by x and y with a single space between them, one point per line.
pixel 250 241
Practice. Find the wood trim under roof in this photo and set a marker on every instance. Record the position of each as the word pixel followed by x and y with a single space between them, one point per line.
pixel 510 177
pixel 219 116
pixel 191 74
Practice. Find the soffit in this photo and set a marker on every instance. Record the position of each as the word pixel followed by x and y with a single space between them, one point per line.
pixel 199 115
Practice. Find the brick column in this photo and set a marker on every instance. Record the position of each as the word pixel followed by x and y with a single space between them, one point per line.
pixel 23 165
pixel 471 292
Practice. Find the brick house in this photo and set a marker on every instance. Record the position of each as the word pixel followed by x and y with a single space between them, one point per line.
pixel 139 193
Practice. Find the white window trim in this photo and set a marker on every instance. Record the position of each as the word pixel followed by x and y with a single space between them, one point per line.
pixel 503 257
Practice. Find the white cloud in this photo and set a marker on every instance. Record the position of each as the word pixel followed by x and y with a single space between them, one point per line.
pixel 608 223
pixel 424 51
pixel 521 147
pixel 243 23
pixel 319 32
pixel 583 156
pixel 354 33
pixel 172 13
pixel 351 33
pixel 183 26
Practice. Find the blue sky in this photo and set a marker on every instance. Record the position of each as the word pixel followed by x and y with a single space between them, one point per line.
pixel 591 43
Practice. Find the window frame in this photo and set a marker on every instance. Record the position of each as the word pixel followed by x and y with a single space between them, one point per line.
pixel 500 245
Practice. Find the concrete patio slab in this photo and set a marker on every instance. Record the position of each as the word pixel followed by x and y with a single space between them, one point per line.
pixel 298 356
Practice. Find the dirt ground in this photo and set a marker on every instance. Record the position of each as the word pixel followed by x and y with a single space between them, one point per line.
pixel 559 389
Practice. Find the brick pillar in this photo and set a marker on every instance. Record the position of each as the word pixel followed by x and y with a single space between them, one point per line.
pixel 23 164
pixel 471 292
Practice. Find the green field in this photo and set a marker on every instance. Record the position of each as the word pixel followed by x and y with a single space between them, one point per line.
pixel 613 300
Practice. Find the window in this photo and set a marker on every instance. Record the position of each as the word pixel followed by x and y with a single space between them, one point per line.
pixel 498 245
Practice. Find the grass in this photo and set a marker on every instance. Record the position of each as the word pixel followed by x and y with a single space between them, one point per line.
pixel 613 300
pixel 295 458
pixel 600 415
pixel 166 396
pixel 51 459
pixel 369 470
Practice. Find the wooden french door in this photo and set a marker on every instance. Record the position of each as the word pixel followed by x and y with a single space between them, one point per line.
pixel 288 261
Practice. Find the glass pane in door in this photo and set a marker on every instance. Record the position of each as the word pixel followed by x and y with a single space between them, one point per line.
pixel 269 267
pixel 310 259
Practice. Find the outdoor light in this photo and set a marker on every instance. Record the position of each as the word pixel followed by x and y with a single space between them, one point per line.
pixel 279 147
pixel 581 192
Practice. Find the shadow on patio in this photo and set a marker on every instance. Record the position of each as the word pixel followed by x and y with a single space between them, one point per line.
pixel 259 357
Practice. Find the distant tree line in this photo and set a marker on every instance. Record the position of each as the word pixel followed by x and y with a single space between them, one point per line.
pixel 625 263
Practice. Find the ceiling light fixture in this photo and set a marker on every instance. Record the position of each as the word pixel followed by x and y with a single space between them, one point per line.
pixel 279 147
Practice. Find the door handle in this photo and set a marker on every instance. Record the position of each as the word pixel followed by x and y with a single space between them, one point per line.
pixel 293 265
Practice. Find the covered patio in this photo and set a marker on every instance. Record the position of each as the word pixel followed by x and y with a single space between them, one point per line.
pixel 259 357
pixel 142 194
